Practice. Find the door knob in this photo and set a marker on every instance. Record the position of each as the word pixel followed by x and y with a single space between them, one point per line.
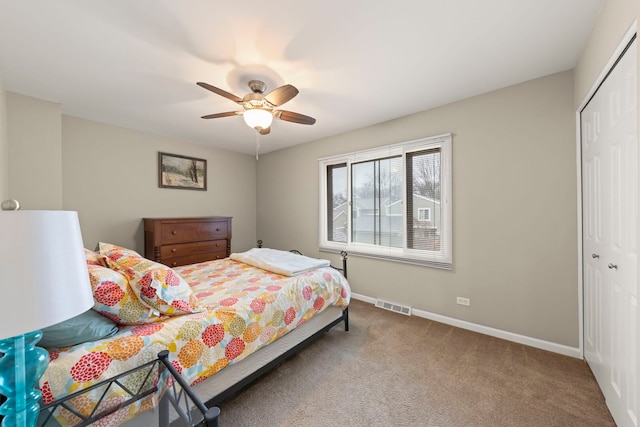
pixel 612 266
pixel 595 256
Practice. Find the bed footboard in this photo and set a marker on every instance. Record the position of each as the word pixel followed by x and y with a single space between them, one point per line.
pixel 179 405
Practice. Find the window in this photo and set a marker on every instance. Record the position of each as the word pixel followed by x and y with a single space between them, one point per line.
pixel 336 216
pixel 424 214
pixel 392 202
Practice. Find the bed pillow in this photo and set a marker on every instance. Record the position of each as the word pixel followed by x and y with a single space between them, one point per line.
pixel 94 258
pixel 88 326
pixel 114 298
pixel 154 284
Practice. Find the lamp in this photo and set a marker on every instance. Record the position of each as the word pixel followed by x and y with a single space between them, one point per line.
pixel 44 281
pixel 257 118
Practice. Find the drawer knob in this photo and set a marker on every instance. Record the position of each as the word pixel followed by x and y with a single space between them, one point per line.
pixel 174 250
pixel 174 232
pixel 174 263
pixel 217 244
pixel 217 229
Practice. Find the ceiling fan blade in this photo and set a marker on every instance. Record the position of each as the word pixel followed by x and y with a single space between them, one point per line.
pixel 227 114
pixel 220 92
pixel 290 116
pixel 281 95
pixel 265 131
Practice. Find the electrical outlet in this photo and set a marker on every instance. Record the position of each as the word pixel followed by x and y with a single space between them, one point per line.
pixel 463 301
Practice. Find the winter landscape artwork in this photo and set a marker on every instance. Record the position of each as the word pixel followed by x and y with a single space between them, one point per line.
pixel 176 171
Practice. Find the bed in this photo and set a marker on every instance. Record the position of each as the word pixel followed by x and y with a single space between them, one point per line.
pixel 219 325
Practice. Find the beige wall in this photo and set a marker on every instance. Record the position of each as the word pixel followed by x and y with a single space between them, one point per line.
pixel 35 152
pixel 110 176
pixel 514 157
pixel 614 21
pixel 4 145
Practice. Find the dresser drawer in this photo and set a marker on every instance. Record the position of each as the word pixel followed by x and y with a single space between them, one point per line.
pixel 195 248
pixel 192 231
pixel 193 259
pixel 181 241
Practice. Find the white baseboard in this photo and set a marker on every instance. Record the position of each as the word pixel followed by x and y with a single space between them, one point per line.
pixel 498 333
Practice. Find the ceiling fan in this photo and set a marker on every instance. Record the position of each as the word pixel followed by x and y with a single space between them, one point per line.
pixel 260 109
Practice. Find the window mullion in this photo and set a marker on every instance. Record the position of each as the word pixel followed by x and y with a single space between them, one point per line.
pixel 349 205
pixel 405 186
pixel 376 202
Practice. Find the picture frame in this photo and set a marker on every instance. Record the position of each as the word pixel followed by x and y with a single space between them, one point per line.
pixel 181 172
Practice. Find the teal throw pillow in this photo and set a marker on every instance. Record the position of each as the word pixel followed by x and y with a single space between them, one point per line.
pixel 88 326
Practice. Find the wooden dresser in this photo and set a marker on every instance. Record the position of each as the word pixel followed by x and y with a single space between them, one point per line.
pixel 181 241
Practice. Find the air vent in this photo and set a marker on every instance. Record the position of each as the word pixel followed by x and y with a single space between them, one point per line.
pixel 402 309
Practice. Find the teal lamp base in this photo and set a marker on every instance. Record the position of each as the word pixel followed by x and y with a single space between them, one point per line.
pixel 20 370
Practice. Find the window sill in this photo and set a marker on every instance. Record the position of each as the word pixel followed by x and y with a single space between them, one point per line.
pixel 420 262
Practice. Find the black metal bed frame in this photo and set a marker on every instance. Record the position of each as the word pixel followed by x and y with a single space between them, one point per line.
pixel 186 404
pixel 178 393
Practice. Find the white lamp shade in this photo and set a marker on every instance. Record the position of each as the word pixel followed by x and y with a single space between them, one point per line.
pixel 258 118
pixel 43 270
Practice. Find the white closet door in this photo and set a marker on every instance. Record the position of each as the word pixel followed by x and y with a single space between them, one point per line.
pixel 610 238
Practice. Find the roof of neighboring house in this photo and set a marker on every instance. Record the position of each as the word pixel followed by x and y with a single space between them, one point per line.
pixel 428 199
pixel 339 214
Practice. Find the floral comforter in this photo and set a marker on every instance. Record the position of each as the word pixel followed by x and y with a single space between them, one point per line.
pixel 246 309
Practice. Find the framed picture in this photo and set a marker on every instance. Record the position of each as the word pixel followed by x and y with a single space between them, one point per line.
pixel 176 171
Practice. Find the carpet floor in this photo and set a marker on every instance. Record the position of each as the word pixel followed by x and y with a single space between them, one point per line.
pixel 395 370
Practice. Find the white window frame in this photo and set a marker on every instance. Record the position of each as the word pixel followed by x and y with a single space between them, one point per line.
pixel 440 259
pixel 427 214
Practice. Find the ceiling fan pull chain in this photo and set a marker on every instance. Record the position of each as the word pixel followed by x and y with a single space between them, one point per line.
pixel 257 145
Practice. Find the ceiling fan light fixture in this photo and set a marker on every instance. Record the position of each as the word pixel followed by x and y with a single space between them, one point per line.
pixel 259 109
pixel 258 118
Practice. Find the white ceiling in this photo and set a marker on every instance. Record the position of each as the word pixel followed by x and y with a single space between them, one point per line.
pixel 134 63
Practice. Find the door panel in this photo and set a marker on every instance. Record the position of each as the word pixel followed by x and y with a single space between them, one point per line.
pixel 596 199
pixel 610 238
pixel 592 294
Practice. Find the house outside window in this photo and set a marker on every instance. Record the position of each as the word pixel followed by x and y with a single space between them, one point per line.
pixel 392 202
